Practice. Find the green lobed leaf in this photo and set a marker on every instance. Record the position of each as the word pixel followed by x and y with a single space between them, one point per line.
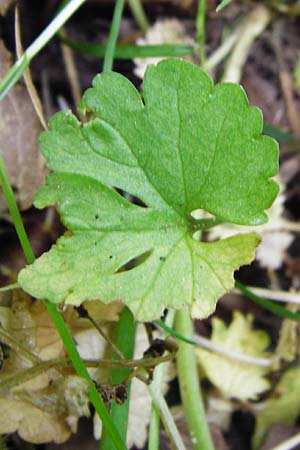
pixel 186 145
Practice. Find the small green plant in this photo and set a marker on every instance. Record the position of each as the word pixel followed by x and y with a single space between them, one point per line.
pixel 186 145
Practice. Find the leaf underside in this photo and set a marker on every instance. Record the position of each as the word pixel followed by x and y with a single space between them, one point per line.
pixel 186 145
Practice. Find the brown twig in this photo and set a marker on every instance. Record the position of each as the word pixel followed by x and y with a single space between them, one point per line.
pixel 286 80
pixel 34 96
pixel 69 62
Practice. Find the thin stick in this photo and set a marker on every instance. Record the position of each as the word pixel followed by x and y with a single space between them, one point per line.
pixel 222 51
pixel 34 96
pixel 166 417
pixel 236 356
pixel 203 342
pixel 278 296
pixel 158 378
pixel 7 339
pixel 286 81
pixel 65 363
pixel 253 25
pixel 83 312
pixel 71 70
pixel 289 444
pixel 9 287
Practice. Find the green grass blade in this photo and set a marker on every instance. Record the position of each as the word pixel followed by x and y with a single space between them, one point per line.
pixel 223 4
pixel 113 36
pixel 139 14
pixel 131 51
pixel 13 75
pixel 268 304
pixel 276 133
pixel 56 317
pixel 16 71
pixel 15 214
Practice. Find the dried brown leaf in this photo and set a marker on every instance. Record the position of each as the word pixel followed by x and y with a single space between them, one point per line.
pixel 19 131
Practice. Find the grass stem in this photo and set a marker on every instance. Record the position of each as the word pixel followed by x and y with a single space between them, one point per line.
pixel 56 317
pixel 113 36
pixel 158 378
pixel 200 29
pixel 139 14
pixel 17 70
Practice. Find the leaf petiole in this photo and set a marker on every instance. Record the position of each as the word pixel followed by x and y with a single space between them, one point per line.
pixel 190 391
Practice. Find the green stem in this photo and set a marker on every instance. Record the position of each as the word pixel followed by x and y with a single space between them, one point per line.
pixel 56 317
pixel 268 304
pixel 16 71
pixel 153 436
pixel 190 386
pixel 200 27
pixel 174 333
pixel 139 14
pixel 125 333
pixel 113 36
pixel 125 51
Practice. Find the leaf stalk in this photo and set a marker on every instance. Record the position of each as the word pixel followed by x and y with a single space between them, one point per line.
pixel 188 376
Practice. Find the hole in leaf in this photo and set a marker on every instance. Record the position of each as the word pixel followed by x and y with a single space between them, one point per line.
pixel 135 262
pixel 199 214
pixel 131 198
